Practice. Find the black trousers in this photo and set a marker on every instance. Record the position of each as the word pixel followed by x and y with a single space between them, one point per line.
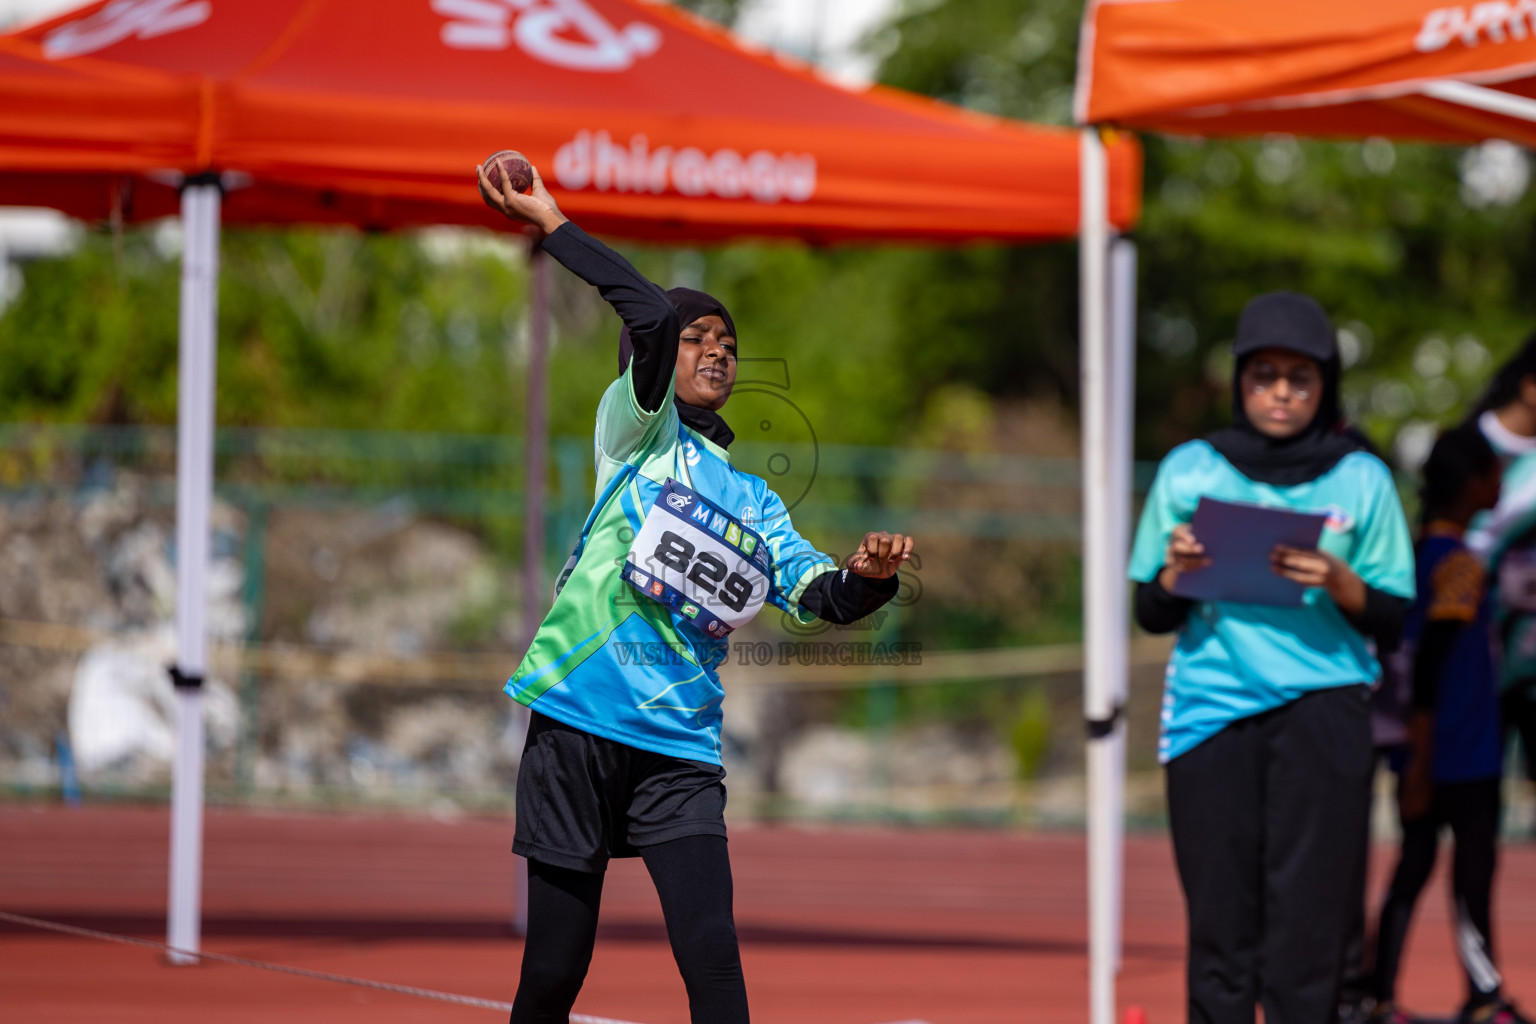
pixel 1471 809
pixel 693 879
pixel 1268 831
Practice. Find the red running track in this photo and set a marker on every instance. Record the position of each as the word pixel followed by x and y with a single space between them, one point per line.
pixel 839 925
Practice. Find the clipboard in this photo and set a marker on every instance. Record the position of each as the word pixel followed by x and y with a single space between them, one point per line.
pixel 1238 538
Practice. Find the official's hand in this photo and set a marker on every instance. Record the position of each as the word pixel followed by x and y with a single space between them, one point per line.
pixel 881 554
pixel 1184 554
pixel 537 209
pixel 1309 568
pixel 1320 569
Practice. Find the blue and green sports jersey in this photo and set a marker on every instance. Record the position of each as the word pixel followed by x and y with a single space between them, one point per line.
pixel 611 661
pixel 1235 660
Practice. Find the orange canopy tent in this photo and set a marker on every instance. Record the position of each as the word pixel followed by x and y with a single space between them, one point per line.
pixel 75 119
pixel 1409 69
pixel 644 120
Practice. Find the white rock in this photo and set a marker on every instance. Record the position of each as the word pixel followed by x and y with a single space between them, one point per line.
pixel 122 707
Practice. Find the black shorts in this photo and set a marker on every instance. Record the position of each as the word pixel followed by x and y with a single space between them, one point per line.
pixel 582 799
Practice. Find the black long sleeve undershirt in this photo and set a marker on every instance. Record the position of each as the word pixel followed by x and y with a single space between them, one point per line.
pixel 844 596
pixel 1429 658
pixel 1382 618
pixel 648 314
pixel 1158 611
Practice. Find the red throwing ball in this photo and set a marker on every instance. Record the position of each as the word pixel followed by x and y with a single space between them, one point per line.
pixel 518 170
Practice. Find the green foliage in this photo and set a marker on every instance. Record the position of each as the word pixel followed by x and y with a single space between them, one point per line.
pixel 333 329
pixel 1031 734
pixel 889 325
pixel 1010 57
pixel 92 337
pixel 1428 286
pixel 723 11
pixel 341 329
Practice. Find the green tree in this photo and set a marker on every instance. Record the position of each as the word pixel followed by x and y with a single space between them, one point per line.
pixel 723 11
pixel 316 329
pixel 1424 276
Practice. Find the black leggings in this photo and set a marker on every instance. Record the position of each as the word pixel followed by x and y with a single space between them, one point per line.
pixel 693 879
pixel 1471 809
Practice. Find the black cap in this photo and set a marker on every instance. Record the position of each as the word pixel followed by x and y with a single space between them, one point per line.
pixel 1286 320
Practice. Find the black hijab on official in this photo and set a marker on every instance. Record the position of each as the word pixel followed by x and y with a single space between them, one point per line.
pixel 1295 323
pixel 692 304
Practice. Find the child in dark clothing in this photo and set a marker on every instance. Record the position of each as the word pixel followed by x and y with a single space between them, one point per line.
pixel 1449 773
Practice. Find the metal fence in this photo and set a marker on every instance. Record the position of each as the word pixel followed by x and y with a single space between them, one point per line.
pixel 985 733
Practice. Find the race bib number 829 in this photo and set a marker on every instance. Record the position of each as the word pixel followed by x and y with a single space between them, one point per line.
pixel 698 560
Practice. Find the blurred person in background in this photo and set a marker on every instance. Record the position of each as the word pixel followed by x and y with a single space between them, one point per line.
pixel 1506 538
pixel 1449 772
pixel 1389 730
pixel 1265 725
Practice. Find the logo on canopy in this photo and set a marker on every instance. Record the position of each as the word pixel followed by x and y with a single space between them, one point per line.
pixel 1497 21
pixel 566 33
pixel 594 160
pixel 124 19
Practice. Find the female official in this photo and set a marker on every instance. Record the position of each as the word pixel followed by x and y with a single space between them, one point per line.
pixel 623 751
pixel 1265 723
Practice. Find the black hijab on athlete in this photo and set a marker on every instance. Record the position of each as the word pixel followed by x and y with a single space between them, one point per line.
pixel 692 304
pixel 1295 323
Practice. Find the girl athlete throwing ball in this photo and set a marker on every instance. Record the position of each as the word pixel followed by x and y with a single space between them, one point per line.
pixel 680 548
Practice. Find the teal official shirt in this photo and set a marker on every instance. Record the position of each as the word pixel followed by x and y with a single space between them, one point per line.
pixel 1235 660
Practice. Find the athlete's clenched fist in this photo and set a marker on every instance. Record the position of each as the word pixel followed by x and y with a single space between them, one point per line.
pixel 881 554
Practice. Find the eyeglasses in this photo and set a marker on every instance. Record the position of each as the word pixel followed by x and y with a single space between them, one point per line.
pixel 1304 381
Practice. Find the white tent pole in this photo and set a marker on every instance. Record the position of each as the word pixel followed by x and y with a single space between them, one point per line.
pixel 1100 590
pixel 1479 97
pixel 536 440
pixel 1122 418
pixel 200 209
